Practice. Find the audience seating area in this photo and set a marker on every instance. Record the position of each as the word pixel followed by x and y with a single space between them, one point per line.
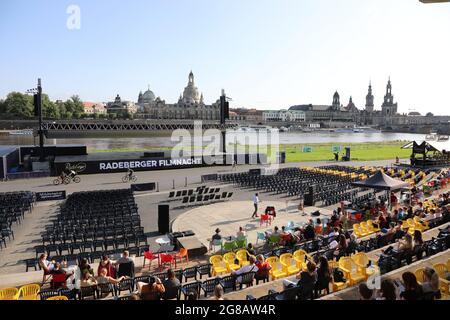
pixel 332 184
pixel 90 224
pixel 13 206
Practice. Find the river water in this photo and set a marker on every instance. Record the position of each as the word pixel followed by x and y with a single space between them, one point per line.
pixel 166 141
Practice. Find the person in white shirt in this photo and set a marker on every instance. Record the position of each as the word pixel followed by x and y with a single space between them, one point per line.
pixel 240 233
pixel 246 269
pixel 255 204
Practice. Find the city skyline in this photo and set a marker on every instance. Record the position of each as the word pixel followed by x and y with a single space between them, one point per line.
pixel 265 55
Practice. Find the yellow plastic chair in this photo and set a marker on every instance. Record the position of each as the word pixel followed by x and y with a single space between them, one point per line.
pixel 229 259
pixel 372 227
pixel 359 232
pixel 365 228
pixel 9 294
pixel 58 298
pixel 362 260
pixel 337 286
pixel 289 264
pixel 300 256
pixel 441 270
pixel 419 273
pixel 277 271
pixel 351 272
pixel 241 255
pixel 420 225
pixel 29 292
pixel 218 265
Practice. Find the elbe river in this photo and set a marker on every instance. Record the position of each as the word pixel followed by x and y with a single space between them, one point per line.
pixel 303 138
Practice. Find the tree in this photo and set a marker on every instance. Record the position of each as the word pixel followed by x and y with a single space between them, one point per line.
pixel 74 105
pixel 49 109
pixel 19 105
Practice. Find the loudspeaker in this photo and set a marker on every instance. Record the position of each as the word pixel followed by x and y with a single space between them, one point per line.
pixel 163 218
pixel 309 199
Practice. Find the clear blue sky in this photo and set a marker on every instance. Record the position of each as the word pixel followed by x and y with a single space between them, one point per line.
pixel 268 54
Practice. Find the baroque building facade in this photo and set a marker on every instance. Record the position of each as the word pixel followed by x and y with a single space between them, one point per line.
pixel 190 105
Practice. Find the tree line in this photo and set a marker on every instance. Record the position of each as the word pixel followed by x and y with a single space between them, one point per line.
pixel 18 105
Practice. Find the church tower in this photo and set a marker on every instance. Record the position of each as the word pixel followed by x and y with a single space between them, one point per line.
pixel 336 102
pixel 389 108
pixel 370 100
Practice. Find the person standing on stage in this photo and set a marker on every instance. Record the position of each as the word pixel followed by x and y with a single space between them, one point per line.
pixel 255 203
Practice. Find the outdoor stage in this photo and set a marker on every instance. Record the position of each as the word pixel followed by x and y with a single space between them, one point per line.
pixel 229 216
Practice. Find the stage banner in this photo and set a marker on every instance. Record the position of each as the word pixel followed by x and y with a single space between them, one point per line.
pixel 143 186
pixel 50 195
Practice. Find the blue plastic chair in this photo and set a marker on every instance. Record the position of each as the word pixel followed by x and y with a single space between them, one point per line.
pixel 260 236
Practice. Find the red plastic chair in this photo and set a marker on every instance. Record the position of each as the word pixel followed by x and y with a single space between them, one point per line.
pixel 148 255
pixel 166 258
pixel 58 281
pixel 183 253
pixel 265 218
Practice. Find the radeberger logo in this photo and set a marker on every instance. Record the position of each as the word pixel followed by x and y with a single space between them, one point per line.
pixel 78 167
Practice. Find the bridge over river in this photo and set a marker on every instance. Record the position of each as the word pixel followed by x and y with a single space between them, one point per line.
pixel 126 127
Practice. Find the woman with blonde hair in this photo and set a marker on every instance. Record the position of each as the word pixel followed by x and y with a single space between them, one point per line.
pixel 218 292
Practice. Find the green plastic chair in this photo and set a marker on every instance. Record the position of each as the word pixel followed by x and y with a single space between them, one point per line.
pixel 229 246
pixel 241 243
pixel 274 240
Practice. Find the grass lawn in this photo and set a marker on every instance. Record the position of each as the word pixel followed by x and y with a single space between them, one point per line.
pixel 359 151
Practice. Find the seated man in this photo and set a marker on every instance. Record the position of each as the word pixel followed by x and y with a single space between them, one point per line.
pixel 171 286
pixel 125 265
pixel 246 269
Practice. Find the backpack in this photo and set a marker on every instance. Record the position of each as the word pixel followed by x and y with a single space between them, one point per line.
pixel 338 276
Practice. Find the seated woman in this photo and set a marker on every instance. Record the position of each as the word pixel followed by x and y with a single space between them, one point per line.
pixel 431 283
pixel 387 290
pixel 406 244
pixel 413 290
pixel 341 249
pixel 105 263
pixel 263 269
pixel 45 265
pixel 318 227
pixel 418 241
pixel 306 281
pixel 85 267
pixel 286 237
pixel 103 277
pixel 215 237
pixel 151 290
pixel 87 280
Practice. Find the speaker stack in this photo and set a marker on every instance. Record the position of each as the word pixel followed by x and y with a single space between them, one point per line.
pixel 309 197
pixel 163 218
